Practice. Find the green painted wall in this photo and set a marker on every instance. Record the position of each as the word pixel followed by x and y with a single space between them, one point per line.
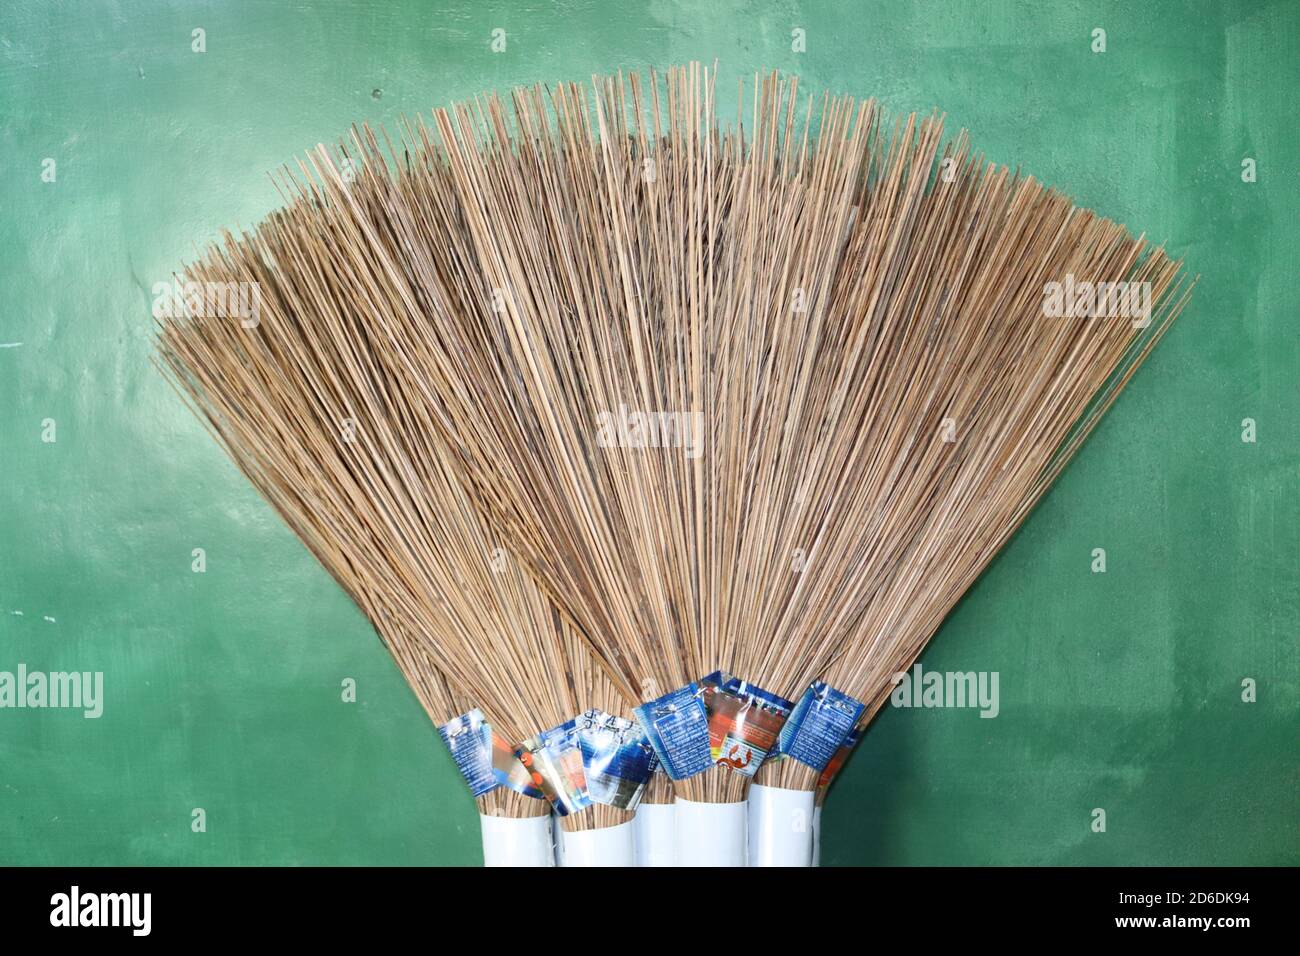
pixel 1119 690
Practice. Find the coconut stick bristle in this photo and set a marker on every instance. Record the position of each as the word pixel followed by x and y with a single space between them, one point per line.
pixel 659 789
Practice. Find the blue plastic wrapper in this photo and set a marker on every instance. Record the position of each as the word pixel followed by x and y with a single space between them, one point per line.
pixel 594 758
pixel 484 759
pixel 677 726
pixel 818 726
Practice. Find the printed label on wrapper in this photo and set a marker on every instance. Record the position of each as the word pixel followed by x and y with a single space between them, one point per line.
pixel 469 739
pixel 616 757
pixel 819 724
pixel 677 726
pixel 744 721
pixel 484 759
pixel 594 758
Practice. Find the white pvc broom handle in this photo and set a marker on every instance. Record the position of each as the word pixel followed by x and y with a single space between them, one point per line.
pixel 817 837
pixel 780 826
pixel 516 841
pixel 606 846
pixel 710 834
pixel 654 826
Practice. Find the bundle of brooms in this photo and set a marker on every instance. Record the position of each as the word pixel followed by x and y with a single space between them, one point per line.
pixel 752 405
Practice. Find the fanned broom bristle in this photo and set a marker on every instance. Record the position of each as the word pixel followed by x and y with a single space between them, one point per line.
pixel 323 422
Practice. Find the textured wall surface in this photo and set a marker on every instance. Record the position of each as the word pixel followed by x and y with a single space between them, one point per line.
pixel 1119 690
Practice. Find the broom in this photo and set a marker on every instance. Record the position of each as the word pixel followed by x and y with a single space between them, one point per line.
pixel 971 399
pixel 782 845
pixel 307 407
pixel 514 815
pixel 512 811
pixel 608 263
